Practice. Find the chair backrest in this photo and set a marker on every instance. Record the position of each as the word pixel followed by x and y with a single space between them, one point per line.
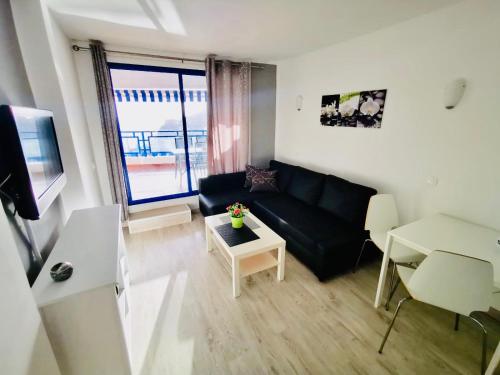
pixel 453 282
pixel 382 214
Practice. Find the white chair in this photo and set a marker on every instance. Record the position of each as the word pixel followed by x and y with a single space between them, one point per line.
pixel 453 282
pixel 381 217
pixel 495 359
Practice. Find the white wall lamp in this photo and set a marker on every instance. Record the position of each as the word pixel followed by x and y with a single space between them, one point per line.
pixel 298 102
pixel 454 92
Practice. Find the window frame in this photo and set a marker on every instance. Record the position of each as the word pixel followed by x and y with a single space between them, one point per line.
pixel 180 72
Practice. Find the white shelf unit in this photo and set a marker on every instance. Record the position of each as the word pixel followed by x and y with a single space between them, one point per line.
pixel 87 317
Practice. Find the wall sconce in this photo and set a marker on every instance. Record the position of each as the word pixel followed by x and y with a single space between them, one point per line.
pixel 298 102
pixel 453 93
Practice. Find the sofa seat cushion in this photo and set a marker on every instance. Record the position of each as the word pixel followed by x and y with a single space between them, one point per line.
pixel 306 224
pixel 306 185
pixel 216 203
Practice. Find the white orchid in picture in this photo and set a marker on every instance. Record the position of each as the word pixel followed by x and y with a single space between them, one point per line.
pixel 346 109
pixel 331 110
pixel 370 107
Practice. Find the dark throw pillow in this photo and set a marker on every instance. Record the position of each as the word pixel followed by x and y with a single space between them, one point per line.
pixel 265 181
pixel 250 172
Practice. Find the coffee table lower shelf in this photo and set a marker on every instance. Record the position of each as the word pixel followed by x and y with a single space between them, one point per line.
pixel 257 263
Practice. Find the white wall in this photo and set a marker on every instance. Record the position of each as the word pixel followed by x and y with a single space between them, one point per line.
pixel 413 60
pixel 52 77
pixel 86 80
pixel 263 115
pixel 15 90
pixel 24 346
pixel 70 88
pixel 14 87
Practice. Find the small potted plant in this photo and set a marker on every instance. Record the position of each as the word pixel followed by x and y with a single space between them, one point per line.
pixel 237 212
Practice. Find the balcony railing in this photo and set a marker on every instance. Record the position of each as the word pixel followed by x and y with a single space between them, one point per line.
pixel 162 143
pixel 157 164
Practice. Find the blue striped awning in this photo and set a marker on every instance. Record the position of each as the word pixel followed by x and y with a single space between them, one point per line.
pixel 157 95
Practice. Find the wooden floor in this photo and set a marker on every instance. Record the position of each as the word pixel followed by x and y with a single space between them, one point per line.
pixel 185 320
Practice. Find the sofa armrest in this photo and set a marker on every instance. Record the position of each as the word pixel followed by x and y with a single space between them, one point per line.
pixel 221 182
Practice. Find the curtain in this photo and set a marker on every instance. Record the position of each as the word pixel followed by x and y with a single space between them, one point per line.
pixel 228 115
pixel 109 126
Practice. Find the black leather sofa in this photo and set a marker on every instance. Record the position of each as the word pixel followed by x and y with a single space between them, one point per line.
pixel 321 217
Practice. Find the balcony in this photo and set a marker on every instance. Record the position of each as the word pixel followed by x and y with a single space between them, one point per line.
pixel 156 161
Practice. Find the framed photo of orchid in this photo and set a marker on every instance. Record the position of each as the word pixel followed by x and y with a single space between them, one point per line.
pixel 361 109
pixel 329 110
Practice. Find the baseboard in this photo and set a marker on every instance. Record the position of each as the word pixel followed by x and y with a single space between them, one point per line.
pixel 159 218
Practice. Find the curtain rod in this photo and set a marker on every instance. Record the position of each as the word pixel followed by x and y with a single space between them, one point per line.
pixel 78 48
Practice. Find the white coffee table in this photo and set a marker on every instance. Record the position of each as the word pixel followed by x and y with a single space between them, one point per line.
pixel 250 257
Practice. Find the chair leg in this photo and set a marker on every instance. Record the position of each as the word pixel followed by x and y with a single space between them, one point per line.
pixel 360 254
pixel 391 285
pixel 392 292
pixel 394 286
pixel 457 321
pixel 485 343
pixel 392 322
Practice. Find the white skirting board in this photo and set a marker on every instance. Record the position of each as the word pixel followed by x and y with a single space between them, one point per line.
pixel 159 218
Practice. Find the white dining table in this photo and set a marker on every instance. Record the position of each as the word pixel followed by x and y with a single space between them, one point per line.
pixel 444 232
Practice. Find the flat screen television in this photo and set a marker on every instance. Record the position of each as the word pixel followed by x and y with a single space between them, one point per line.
pixel 31 170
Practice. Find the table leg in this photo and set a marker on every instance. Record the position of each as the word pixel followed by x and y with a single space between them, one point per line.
pixel 495 360
pixel 236 277
pixel 208 235
pixel 281 263
pixel 383 270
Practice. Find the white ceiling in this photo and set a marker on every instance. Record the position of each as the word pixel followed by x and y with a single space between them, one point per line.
pixel 260 30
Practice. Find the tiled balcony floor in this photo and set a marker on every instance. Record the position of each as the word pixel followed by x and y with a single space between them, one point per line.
pixel 156 180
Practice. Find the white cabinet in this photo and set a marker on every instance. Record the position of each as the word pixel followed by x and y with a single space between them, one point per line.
pixel 87 317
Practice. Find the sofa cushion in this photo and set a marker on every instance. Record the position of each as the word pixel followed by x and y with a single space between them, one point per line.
pixel 264 181
pixel 285 173
pixel 306 185
pixel 221 182
pixel 216 203
pixel 346 200
pixel 250 172
pixel 306 224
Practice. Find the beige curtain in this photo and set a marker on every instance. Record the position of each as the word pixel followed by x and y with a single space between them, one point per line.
pixel 109 126
pixel 228 112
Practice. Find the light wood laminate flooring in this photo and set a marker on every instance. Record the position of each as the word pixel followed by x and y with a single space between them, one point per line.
pixel 185 320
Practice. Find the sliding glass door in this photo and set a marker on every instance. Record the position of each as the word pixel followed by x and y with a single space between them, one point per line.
pixel 163 130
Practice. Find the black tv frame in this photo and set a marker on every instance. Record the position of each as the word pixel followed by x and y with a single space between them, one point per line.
pixel 14 173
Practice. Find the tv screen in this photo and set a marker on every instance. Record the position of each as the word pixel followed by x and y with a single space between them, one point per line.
pixel 31 166
pixel 38 141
